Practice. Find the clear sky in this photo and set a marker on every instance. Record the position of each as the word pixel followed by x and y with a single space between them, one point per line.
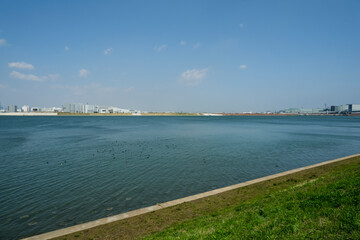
pixel 188 55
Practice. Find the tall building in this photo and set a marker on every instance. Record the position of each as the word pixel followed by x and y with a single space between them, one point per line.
pixel 12 108
pixel 90 108
pixel 74 108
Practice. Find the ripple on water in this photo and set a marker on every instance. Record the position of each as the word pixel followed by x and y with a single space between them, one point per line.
pixel 71 166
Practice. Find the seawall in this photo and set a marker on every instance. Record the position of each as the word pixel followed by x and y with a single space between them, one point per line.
pixel 28 114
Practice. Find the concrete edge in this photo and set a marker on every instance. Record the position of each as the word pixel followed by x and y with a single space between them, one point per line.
pixel 102 221
pixel 29 114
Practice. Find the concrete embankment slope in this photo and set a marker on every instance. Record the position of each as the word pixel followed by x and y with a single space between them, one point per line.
pixel 212 193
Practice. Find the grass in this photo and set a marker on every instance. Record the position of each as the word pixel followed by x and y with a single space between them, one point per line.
pixel 318 203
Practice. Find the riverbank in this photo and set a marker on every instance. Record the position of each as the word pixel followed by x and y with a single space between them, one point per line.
pixel 161 114
pixel 29 114
pixel 129 114
pixel 263 202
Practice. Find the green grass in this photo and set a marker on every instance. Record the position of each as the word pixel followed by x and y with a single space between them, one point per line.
pixel 320 208
pixel 318 203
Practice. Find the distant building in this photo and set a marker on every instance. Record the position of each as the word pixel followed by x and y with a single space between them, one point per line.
pixel 69 108
pixel 119 110
pixel 291 110
pixel 345 109
pixel 57 109
pixel 51 109
pixel 25 108
pixel 35 109
pixel 12 108
pixel 74 108
pixel 354 108
pixel 90 108
pixel 303 111
pixel 104 109
pixel 87 108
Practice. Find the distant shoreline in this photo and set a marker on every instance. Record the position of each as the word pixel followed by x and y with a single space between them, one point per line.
pixel 163 114
pixel 28 114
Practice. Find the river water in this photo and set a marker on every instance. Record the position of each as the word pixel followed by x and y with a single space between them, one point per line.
pixel 56 172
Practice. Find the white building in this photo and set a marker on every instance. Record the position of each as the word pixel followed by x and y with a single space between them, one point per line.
pixel 25 108
pixel 104 109
pixel 118 110
pixel 90 108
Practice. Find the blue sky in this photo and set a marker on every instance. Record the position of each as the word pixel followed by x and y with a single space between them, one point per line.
pixel 214 56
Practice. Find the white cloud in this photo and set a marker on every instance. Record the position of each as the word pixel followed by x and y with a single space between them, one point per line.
pixel 67 48
pixel 21 65
pixel 193 76
pixel 83 73
pixel 51 77
pixel 197 45
pixel 28 77
pixel 243 66
pixel 2 86
pixel 160 48
pixel 2 42
pixel 241 25
pixel 108 51
pixel 183 43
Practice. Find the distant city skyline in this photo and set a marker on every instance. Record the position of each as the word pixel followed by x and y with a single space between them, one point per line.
pixel 344 109
pixel 190 56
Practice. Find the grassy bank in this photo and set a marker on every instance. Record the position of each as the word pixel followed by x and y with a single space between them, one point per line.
pixel 322 202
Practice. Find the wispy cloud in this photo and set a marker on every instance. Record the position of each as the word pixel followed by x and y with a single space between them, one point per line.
pixel 2 86
pixel 88 89
pixel 28 77
pixel 51 77
pixel 83 73
pixel 243 66
pixel 241 25
pixel 21 65
pixel 66 48
pixel 129 89
pixel 193 76
pixel 32 77
pixel 160 48
pixel 183 43
pixel 197 45
pixel 2 42
pixel 108 51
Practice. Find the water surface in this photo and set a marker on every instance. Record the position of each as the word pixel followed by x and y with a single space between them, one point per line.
pixel 60 171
